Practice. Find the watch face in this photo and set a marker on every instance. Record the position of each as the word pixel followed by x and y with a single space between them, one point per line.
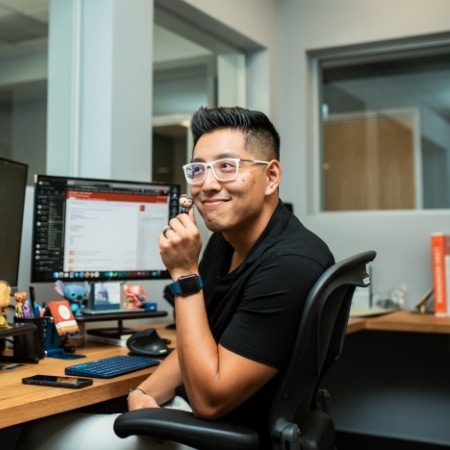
pixel 189 284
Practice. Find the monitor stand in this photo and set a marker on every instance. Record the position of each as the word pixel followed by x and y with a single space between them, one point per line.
pixel 118 331
pixel 17 328
pixel 112 332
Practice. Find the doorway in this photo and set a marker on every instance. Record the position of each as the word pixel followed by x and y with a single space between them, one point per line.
pixel 171 143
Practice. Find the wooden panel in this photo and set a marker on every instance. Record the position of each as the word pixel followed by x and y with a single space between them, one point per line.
pixel 369 164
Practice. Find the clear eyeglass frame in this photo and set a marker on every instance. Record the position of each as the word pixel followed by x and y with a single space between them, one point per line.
pixel 224 169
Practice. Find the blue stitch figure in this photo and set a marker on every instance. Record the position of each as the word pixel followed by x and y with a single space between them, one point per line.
pixel 75 293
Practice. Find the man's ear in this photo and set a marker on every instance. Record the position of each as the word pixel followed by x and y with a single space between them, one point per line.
pixel 273 176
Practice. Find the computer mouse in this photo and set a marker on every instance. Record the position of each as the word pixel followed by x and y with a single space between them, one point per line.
pixel 148 343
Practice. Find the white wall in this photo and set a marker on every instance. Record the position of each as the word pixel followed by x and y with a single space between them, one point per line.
pixel 257 20
pixel 400 238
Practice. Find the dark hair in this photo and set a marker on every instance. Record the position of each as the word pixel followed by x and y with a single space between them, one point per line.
pixel 260 134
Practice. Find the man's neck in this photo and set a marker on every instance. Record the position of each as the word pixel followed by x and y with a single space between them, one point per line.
pixel 243 240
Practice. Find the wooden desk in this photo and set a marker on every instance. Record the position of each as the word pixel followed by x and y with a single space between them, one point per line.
pixel 409 322
pixel 20 403
pixel 356 324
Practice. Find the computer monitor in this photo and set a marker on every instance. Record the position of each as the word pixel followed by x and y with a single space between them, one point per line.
pixel 95 230
pixel 13 182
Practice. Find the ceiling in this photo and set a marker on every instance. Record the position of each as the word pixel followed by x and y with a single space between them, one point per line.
pixel 23 27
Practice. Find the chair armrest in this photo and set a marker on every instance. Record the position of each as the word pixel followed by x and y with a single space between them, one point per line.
pixel 183 427
pixel 315 432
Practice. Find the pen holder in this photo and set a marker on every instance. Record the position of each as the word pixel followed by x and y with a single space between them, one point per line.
pixel 30 346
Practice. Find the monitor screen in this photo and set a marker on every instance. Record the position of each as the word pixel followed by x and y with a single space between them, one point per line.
pixel 13 183
pixel 92 230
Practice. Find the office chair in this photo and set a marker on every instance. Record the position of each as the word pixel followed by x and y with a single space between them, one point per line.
pixel 300 416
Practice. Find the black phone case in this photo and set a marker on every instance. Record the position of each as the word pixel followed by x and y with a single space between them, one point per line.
pixel 62 381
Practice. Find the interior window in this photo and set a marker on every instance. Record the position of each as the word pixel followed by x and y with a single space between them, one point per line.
pixel 385 130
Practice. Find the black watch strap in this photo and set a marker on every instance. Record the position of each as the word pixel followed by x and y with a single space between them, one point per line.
pixel 187 284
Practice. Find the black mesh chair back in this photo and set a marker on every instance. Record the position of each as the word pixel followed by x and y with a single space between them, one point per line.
pixel 300 411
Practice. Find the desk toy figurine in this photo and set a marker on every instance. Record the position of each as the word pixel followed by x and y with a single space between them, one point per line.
pixel 20 298
pixel 76 294
pixel 185 203
pixel 5 300
pixel 135 296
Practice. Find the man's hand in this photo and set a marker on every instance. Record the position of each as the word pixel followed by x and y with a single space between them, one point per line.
pixel 180 245
pixel 138 399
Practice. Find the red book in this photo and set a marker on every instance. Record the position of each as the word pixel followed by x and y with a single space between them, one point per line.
pixel 63 317
pixel 440 265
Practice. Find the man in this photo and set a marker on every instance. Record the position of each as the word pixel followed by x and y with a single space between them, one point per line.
pixel 237 312
pixel 235 334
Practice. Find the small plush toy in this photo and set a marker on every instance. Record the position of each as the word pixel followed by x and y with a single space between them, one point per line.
pixel 135 296
pixel 76 294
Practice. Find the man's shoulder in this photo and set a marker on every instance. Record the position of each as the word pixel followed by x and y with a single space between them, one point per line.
pixel 297 239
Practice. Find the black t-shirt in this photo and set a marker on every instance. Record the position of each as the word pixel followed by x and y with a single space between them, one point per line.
pixel 255 310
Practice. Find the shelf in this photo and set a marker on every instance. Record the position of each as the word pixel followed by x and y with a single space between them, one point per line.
pixel 16 329
pixel 139 314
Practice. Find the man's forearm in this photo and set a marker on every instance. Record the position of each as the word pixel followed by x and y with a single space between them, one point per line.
pixel 161 384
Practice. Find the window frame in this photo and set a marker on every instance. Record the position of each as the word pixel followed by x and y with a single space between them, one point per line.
pixel 317 59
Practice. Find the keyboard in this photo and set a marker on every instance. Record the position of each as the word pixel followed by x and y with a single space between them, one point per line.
pixel 110 367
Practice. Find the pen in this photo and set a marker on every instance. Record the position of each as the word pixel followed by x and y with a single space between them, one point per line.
pixel 34 308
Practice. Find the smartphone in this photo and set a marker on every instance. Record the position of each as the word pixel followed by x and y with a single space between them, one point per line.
pixel 52 380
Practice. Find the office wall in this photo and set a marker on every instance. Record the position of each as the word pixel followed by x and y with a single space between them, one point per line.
pixel 257 20
pixel 401 238
pixel 289 28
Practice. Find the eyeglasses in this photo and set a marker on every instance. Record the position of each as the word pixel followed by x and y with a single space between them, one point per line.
pixel 223 169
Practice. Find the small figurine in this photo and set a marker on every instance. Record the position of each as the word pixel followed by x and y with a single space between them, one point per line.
pixel 26 310
pixel 135 296
pixel 20 298
pixel 185 203
pixel 5 300
pixel 75 293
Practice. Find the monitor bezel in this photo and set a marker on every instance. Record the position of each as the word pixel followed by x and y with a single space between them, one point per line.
pixel 13 283
pixel 43 277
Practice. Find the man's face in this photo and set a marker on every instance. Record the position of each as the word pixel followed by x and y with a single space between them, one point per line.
pixel 232 205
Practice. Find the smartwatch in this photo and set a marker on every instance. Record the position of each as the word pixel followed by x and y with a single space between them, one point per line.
pixel 187 284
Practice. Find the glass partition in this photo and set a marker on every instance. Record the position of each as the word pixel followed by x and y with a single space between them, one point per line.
pixel 385 129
